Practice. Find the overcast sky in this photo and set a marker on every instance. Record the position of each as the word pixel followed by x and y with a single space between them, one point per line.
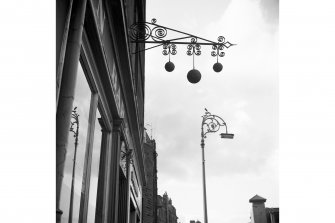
pixel 244 94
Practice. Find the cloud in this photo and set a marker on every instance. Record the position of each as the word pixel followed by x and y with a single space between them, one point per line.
pixel 244 94
pixel 270 9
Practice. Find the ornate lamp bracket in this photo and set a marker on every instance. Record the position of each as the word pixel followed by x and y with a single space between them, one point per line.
pixel 75 117
pixel 211 123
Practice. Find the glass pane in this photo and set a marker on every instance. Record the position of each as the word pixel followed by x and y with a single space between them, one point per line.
pixel 94 170
pixel 82 100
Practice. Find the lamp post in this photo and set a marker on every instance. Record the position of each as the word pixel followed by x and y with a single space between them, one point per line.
pixel 212 123
pixel 74 116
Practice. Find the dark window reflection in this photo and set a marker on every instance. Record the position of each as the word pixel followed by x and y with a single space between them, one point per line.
pixel 82 102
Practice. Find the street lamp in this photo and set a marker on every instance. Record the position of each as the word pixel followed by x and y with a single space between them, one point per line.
pixel 75 117
pixel 212 123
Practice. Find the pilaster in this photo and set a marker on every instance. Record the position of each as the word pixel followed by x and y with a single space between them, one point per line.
pixel 103 180
pixel 66 94
pixel 114 171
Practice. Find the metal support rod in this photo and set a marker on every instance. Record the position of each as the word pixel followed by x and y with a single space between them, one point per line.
pixel 190 35
pixel 75 116
pixel 204 174
pixel 185 43
pixel 193 59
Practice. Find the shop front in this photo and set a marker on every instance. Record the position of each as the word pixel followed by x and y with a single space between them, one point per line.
pixel 99 118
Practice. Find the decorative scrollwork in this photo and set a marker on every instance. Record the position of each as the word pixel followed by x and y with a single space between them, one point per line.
pixel 193 49
pixel 228 44
pixel 152 33
pixel 158 33
pixel 219 47
pixel 221 39
pixel 218 50
pixel 75 117
pixel 213 54
pixel 212 123
pixel 169 49
pixel 174 51
pixel 197 49
pixel 139 31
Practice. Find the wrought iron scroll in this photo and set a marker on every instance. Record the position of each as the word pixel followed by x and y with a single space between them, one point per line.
pixel 75 117
pixel 218 49
pixel 169 49
pixel 212 123
pixel 152 33
pixel 193 49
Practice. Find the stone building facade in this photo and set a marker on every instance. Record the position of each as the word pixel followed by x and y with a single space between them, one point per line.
pixel 261 214
pixel 272 215
pixel 150 189
pixel 100 170
pixel 166 212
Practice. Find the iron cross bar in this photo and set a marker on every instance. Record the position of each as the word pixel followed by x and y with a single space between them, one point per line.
pixel 146 32
pixel 185 43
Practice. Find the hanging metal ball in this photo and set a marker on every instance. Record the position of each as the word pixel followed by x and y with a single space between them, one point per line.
pixel 217 67
pixel 169 66
pixel 194 76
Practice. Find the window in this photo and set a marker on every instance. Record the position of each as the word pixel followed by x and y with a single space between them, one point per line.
pixel 82 105
pixel 79 187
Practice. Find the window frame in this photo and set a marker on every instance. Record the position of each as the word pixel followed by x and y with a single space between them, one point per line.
pixel 96 102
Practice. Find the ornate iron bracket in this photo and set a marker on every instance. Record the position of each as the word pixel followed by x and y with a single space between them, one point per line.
pixel 75 116
pixel 212 123
pixel 152 33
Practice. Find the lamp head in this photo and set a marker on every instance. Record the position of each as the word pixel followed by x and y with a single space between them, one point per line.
pixel 227 135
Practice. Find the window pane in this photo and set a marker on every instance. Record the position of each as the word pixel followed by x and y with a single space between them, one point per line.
pixel 94 170
pixel 82 99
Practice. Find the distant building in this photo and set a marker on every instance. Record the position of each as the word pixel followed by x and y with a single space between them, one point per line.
pixel 166 212
pixel 261 214
pixel 156 208
pixel 272 215
pixel 150 189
